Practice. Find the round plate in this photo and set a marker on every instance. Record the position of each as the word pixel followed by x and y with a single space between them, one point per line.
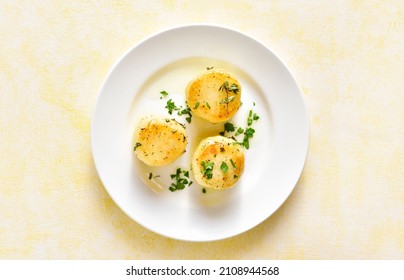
pixel 167 61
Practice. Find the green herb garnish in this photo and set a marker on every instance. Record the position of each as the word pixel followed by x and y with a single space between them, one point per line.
pixel 203 190
pixel 196 105
pixel 152 177
pixel 180 111
pixel 228 127
pixel 227 100
pixel 171 106
pixel 233 164
pixel 252 117
pixel 186 111
pixel 164 94
pixel 137 145
pixel 249 119
pixel 207 105
pixel 207 169
pixel 248 133
pixel 232 132
pixel 224 167
pixel 239 131
pixel 233 87
pixel 180 181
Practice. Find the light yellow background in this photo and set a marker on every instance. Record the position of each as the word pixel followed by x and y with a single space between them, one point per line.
pixel 348 57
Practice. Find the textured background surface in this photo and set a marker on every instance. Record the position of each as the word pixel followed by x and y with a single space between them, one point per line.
pixel 348 56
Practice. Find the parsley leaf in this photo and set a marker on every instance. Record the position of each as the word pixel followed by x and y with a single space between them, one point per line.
pixel 224 167
pixel 239 131
pixel 233 164
pixel 164 94
pixel 248 133
pixel 181 181
pixel 171 106
pixel 207 169
pixel 232 132
pixel 180 111
pixel 228 127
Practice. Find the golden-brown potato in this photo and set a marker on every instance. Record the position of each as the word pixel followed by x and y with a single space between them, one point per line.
pixel 214 95
pixel 218 162
pixel 159 141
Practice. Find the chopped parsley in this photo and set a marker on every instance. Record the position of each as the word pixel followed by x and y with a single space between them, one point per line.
pixel 232 132
pixel 203 190
pixel 180 110
pixel 163 94
pixel 229 127
pixel 207 169
pixel 171 106
pixel 233 164
pixel 239 131
pixel 186 111
pixel 248 133
pixel 181 180
pixel 209 68
pixel 196 105
pixel 224 167
pixel 252 117
pixel 136 145
pixel 207 104
pixel 249 119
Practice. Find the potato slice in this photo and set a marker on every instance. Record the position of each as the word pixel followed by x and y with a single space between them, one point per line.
pixel 214 95
pixel 159 141
pixel 218 162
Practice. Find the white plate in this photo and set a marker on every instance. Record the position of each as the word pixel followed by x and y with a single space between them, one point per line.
pixel 167 61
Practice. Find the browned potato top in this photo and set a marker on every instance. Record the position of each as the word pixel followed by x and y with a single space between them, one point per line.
pixel 159 141
pixel 218 162
pixel 214 95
